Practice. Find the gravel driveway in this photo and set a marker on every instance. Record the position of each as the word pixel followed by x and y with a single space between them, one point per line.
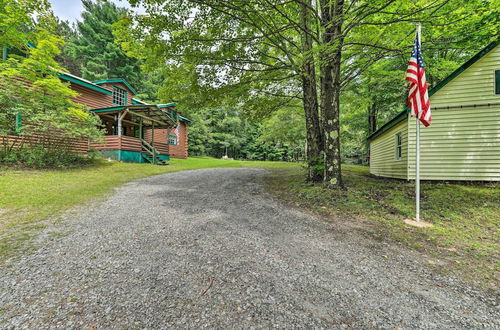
pixel 208 248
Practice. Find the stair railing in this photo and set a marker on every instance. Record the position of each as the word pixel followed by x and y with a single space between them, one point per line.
pixel 150 149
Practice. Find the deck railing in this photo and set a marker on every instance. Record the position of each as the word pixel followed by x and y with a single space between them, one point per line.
pixel 115 142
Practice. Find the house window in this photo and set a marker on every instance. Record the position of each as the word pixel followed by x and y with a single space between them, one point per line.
pixel 399 147
pixel 172 139
pixel 119 96
pixel 497 82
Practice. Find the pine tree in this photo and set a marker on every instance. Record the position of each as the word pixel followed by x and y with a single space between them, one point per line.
pixel 94 48
pixel 67 31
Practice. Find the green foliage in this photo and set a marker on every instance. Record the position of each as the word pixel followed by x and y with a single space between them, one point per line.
pixel 31 87
pixel 32 94
pixel 68 33
pixel 210 59
pixel 456 31
pixel 255 149
pixel 42 157
pixel 316 165
pixel 93 47
pixel 247 54
pixel 90 51
pixel 285 126
pixel 224 131
pixel 16 23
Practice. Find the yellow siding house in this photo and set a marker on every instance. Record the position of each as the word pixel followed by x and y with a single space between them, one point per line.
pixel 463 140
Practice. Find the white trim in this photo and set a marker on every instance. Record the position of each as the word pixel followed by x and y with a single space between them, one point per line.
pixel 495 82
pixel 398 147
pixel 139 101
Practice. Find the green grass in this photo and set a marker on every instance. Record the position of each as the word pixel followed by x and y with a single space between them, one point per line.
pixel 29 196
pixel 466 217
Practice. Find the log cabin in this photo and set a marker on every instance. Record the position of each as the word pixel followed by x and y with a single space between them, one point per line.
pixel 135 131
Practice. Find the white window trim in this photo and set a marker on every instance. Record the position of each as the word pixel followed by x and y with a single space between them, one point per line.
pixel 124 94
pixel 176 139
pixel 495 82
pixel 397 146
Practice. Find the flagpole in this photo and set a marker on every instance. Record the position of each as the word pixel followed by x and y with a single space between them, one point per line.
pixel 417 152
pixel 417 174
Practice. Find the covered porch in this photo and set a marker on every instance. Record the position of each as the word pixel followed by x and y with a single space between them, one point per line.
pixel 125 126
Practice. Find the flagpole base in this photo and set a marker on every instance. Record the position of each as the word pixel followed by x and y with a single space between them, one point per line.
pixel 419 224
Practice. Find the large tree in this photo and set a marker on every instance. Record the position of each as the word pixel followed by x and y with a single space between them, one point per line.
pixel 233 53
pixel 94 49
pixel 68 33
pixel 273 50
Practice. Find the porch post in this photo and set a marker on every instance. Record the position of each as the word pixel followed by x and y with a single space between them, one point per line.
pixel 152 141
pixel 140 128
pixel 119 128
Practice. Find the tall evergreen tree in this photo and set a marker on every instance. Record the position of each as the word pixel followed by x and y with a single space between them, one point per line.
pixel 67 31
pixel 99 57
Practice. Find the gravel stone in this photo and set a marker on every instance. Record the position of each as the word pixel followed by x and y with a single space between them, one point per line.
pixel 210 249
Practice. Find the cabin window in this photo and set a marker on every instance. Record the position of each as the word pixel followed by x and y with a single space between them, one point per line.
pixel 172 139
pixel 119 96
pixel 399 147
pixel 497 82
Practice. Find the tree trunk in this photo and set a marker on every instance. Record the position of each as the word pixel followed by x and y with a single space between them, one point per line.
pixel 314 143
pixel 372 119
pixel 331 22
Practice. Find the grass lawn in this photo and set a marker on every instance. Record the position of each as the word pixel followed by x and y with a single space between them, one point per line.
pixel 29 196
pixel 466 217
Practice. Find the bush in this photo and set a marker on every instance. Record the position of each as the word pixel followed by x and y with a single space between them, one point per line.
pixel 40 157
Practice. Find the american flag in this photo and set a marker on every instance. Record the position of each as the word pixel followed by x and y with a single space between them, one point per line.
pixel 418 98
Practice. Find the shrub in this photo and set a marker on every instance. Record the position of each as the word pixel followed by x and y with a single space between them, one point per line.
pixel 40 157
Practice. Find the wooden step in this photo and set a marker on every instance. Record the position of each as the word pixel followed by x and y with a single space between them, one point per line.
pixel 149 158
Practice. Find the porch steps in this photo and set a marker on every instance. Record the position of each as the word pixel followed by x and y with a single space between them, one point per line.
pixel 150 154
pixel 149 159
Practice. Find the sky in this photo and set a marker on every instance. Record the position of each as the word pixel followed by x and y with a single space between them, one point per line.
pixel 69 10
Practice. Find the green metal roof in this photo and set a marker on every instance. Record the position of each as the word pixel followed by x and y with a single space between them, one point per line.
pixel 391 123
pixel 184 119
pixel 168 105
pixel 137 101
pixel 403 114
pixel 108 109
pixel 144 105
pixel 83 82
pixel 117 80
pixel 148 111
pixel 173 104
